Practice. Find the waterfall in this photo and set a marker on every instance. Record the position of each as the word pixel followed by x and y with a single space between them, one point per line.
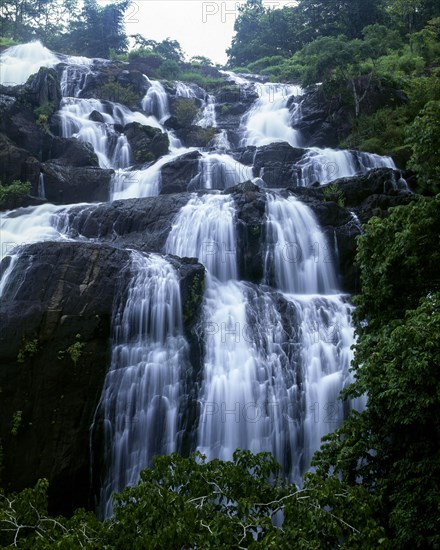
pixel 75 74
pixel 18 63
pixel 45 222
pixel 326 165
pixel 264 389
pixel 219 171
pixel 207 117
pixel 93 121
pixel 269 119
pixel 140 399
pixel 155 102
pixel 275 354
pixel 41 190
pixel 298 259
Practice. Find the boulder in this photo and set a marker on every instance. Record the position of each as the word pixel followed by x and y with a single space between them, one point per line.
pixel 43 89
pixel 177 174
pixel 72 152
pixel 275 164
pixel 147 143
pixel 71 184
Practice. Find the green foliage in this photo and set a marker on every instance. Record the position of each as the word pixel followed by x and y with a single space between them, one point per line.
pixel 399 257
pixel 97 29
pixel 423 136
pixel 28 349
pixel 383 132
pixel 170 70
pixel 168 49
pixel 391 448
pixel 17 190
pixel 25 523
pixel 7 41
pixel 333 192
pixel 16 422
pixel 74 351
pixel 113 91
pixel 43 114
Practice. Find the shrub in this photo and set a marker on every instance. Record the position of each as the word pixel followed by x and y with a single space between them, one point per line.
pixel 10 193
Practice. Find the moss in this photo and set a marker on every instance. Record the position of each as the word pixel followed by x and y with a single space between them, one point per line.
pixel 195 297
pixel 185 110
pixel 16 422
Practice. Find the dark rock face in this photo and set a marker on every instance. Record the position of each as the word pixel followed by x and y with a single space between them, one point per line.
pixel 44 88
pixel 70 184
pixel 61 299
pixel 274 163
pixel 59 290
pixel 147 143
pixel 250 202
pixel 143 224
pixel 72 152
pixel 16 163
pixel 232 101
pixel 177 174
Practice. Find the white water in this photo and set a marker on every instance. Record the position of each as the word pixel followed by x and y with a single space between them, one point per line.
pixel 41 190
pixel 75 74
pixel 155 103
pixel 208 118
pixel 298 259
pixel 256 394
pixel 220 171
pixel 141 393
pixel 18 63
pixel 111 148
pixel 326 165
pixel 269 119
pixel 32 224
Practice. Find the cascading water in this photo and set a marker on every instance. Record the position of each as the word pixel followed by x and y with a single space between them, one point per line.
pixel 259 386
pixel 298 259
pixel 93 121
pixel 140 399
pixel 20 62
pixel 300 264
pixel 275 354
pixel 155 103
pixel 41 190
pixel 219 171
pixel 32 224
pixel 205 229
pixel 269 119
pixel 326 165
pixel 75 74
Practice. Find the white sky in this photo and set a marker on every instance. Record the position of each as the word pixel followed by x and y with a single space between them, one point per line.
pixel 202 27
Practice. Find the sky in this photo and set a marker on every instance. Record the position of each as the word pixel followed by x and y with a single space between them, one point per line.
pixel 202 27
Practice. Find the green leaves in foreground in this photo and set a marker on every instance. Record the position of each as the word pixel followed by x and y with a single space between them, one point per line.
pixel 191 503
